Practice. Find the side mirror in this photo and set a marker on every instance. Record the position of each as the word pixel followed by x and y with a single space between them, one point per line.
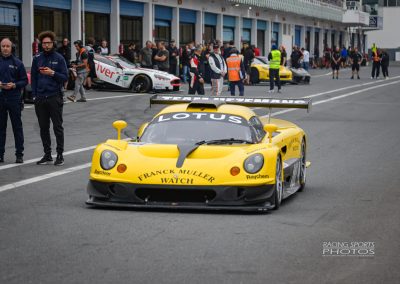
pixel 270 129
pixel 119 65
pixel 119 125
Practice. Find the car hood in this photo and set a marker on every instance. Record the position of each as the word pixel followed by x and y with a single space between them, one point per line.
pixel 206 165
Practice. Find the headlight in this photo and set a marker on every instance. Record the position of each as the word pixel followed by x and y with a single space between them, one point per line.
pixel 254 163
pixel 108 159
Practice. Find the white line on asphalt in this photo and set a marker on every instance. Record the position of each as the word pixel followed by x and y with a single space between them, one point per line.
pixel 37 159
pixel 335 98
pixel 43 177
pixel 345 88
pixel 103 98
pixel 80 167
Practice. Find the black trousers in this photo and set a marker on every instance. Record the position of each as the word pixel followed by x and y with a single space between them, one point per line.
pixel 172 68
pixel 196 86
pixel 385 71
pixel 11 108
pixel 50 108
pixel 274 75
pixel 375 69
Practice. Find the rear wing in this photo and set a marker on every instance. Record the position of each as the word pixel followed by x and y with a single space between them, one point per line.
pixel 304 103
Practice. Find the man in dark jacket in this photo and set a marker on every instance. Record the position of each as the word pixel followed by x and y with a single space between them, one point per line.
pixel 65 51
pixel 196 73
pixel 385 63
pixel 13 78
pixel 173 57
pixel 48 74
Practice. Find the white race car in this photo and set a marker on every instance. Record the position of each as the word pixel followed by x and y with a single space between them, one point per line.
pixel 117 72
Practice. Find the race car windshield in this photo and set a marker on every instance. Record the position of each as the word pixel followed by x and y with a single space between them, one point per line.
pixel 124 62
pixel 195 128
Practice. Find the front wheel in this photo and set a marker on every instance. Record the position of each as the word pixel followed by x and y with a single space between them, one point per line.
pixel 141 84
pixel 278 192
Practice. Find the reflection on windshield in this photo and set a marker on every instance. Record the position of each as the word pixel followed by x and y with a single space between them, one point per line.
pixel 124 62
pixel 193 131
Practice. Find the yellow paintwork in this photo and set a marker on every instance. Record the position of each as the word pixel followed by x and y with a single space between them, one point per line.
pixel 119 125
pixel 208 164
pixel 263 70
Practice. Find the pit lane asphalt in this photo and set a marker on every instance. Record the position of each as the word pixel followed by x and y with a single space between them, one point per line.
pixel 48 235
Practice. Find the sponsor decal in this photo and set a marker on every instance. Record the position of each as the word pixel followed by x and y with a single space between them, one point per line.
pixel 294 141
pixel 177 180
pixel 178 176
pixel 126 78
pixel 104 70
pixel 259 176
pixel 237 100
pixel 361 249
pixel 207 116
pixel 102 173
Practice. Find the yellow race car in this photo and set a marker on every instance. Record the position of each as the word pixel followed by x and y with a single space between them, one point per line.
pixel 203 153
pixel 260 71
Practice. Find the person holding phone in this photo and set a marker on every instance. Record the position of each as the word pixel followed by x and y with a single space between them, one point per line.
pixel 48 75
pixel 13 79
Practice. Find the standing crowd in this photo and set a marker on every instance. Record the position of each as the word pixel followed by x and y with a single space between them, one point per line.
pixel 197 64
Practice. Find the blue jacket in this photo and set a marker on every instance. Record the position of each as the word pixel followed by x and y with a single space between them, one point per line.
pixel 44 85
pixel 12 70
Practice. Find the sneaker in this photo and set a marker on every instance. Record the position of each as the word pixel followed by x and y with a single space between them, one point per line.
pixel 1 159
pixel 81 100
pixel 337 78
pixel 19 160
pixel 59 160
pixel 270 91
pixel 46 160
pixel 358 77
pixel 352 77
pixel 372 77
pixel 279 91
pixel 72 98
pixel 333 77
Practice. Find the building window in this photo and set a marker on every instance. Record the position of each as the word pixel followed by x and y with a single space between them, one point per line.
pixel 97 26
pixel 54 20
pixel 186 33
pixel 261 41
pixel 229 34
pixel 162 31
pixel 131 31
pixel 246 36
pixel 210 33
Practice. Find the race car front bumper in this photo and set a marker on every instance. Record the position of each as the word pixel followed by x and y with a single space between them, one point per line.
pixel 103 194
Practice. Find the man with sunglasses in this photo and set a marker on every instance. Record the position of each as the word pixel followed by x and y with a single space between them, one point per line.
pixel 48 74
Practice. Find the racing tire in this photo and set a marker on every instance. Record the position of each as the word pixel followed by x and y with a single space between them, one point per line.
pixel 141 84
pixel 278 188
pixel 307 80
pixel 303 168
pixel 254 76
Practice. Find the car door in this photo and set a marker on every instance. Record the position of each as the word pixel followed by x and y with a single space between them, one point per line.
pixel 108 71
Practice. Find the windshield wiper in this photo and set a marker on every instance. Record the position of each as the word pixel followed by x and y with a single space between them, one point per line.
pixel 225 141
